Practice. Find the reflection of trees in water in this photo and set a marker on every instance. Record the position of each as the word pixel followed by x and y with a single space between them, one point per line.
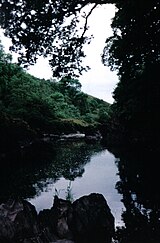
pixel 139 186
pixel 28 174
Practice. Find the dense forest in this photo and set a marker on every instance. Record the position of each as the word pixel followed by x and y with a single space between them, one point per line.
pixel 53 29
pixel 29 105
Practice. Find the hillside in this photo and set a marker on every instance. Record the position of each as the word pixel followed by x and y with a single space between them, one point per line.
pixel 37 106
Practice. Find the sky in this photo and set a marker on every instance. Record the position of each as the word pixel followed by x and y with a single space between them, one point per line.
pixel 99 81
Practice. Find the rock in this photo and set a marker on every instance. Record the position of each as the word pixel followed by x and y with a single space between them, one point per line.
pixel 19 223
pixel 87 220
pixel 93 137
pixel 56 218
pixel 92 220
pixel 17 218
pixel 73 136
pixel 64 241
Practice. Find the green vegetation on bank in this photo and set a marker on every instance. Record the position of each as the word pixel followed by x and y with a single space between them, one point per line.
pixel 41 105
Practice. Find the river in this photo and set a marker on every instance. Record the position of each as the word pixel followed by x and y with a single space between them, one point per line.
pixel 127 177
pixel 45 170
pixel 98 173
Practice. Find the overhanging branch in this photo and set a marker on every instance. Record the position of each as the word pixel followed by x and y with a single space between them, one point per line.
pixel 86 21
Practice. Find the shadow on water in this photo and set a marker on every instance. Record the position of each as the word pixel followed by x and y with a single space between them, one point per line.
pixel 19 172
pixel 139 186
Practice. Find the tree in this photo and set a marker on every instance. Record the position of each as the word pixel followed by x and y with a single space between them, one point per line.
pixel 7 70
pixel 43 104
pixel 52 28
pixel 67 83
pixel 49 28
pixel 135 41
pixel 134 51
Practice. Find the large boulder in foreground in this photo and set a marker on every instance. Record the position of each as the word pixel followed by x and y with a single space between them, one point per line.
pixel 19 223
pixel 92 220
pixel 18 219
pixel 87 220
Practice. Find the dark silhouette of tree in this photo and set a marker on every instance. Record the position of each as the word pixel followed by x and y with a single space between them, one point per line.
pixel 134 51
pixel 49 28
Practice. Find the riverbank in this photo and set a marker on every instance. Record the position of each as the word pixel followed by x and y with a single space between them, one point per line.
pixel 16 134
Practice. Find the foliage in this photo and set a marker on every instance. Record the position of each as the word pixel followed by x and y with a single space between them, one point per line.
pixel 134 51
pixel 48 28
pixel 124 51
pixel 46 105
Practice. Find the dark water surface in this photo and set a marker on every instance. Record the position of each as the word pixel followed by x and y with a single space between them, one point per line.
pixel 128 179
pixel 45 170
pixel 139 186
pixel 95 171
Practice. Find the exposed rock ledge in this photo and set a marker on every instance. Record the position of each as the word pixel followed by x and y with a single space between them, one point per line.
pixel 86 220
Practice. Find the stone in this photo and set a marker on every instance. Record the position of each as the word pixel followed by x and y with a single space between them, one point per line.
pixel 64 241
pixel 19 223
pixel 19 218
pixel 92 220
pixel 56 218
pixel 86 220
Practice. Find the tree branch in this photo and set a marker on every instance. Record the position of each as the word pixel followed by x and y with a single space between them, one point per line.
pixel 86 22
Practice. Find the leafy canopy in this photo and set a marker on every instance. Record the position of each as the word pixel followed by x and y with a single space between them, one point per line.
pixel 49 28
pixel 53 28
pixel 135 39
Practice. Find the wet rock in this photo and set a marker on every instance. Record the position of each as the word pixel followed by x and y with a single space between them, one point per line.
pixel 92 220
pixel 56 219
pixel 73 136
pixel 19 223
pixel 87 220
pixel 94 137
pixel 18 219
pixel 64 241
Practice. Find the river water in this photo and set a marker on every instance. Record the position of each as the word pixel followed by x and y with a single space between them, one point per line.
pixel 76 168
pixel 96 171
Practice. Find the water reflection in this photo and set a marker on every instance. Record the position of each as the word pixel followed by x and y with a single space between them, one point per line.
pixel 42 170
pixel 41 163
pixel 139 186
pixel 99 176
pixel 36 172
